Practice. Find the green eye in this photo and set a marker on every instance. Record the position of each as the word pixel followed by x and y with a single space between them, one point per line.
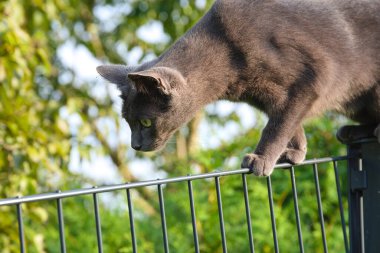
pixel 146 122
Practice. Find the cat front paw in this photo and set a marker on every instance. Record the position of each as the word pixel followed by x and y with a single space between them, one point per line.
pixel 377 133
pixel 292 156
pixel 258 164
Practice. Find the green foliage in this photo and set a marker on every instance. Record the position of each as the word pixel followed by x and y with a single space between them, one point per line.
pixel 38 97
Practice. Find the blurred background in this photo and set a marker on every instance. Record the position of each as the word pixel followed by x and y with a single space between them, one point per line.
pixel 60 128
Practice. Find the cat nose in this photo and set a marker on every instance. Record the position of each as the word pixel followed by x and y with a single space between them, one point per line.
pixel 136 146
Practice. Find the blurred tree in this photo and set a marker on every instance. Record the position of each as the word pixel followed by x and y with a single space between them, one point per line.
pixel 41 95
pixel 37 89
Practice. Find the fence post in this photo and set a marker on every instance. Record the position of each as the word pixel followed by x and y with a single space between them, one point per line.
pixel 363 189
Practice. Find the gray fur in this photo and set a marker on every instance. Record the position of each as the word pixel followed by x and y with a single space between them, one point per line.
pixel 293 59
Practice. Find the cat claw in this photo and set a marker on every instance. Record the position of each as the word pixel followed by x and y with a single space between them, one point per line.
pixel 292 156
pixel 258 165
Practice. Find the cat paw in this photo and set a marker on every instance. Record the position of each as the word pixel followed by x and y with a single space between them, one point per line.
pixel 292 156
pixel 377 133
pixel 258 164
pixel 348 134
pixel 344 134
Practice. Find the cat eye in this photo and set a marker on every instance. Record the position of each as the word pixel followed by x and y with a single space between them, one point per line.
pixel 146 122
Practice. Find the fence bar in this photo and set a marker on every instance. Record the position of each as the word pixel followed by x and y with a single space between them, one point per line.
pixel 98 225
pixel 193 218
pixel 248 213
pixel 79 192
pixel 221 219
pixel 320 209
pixel 61 226
pixel 20 229
pixel 355 200
pixel 131 222
pixel 163 218
pixel 371 195
pixel 341 210
pixel 296 209
pixel 272 216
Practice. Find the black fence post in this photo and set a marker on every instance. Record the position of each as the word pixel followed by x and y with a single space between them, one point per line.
pixel 356 185
pixel 363 189
pixel 371 196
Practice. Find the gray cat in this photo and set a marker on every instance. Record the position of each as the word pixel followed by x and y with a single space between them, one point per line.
pixel 292 59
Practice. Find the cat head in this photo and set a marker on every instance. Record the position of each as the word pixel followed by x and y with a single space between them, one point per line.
pixel 152 103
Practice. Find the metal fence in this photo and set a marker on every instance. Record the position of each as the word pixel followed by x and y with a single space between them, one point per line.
pixel 357 185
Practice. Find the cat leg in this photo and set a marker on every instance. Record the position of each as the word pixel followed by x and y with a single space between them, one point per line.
pixel 368 116
pixel 275 137
pixel 377 133
pixel 296 150
pixel 283 125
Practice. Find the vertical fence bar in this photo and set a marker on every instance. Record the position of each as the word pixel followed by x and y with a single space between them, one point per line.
pixel 296 209
pixel 362 238
pixel 163 218
pixel 248 213
pixel 221 219
pixel 61 226
pixel 98 225
pixel 131 221
pixel 355 198
pixel 360 211
pixel 272 216
pixel 371 195
pixel 354 201
pixel 320 209
pixel 193 218
pixel 342 220
pixel 370 168
pixel 20 228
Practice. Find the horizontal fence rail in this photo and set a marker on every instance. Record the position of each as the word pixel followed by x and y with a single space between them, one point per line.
pixel 159 183
pixel 103 189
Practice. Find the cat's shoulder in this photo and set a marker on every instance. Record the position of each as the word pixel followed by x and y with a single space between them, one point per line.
pixel 296 5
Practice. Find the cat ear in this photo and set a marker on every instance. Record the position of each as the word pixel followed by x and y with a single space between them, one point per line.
pixel 150 79
pixel 117 74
